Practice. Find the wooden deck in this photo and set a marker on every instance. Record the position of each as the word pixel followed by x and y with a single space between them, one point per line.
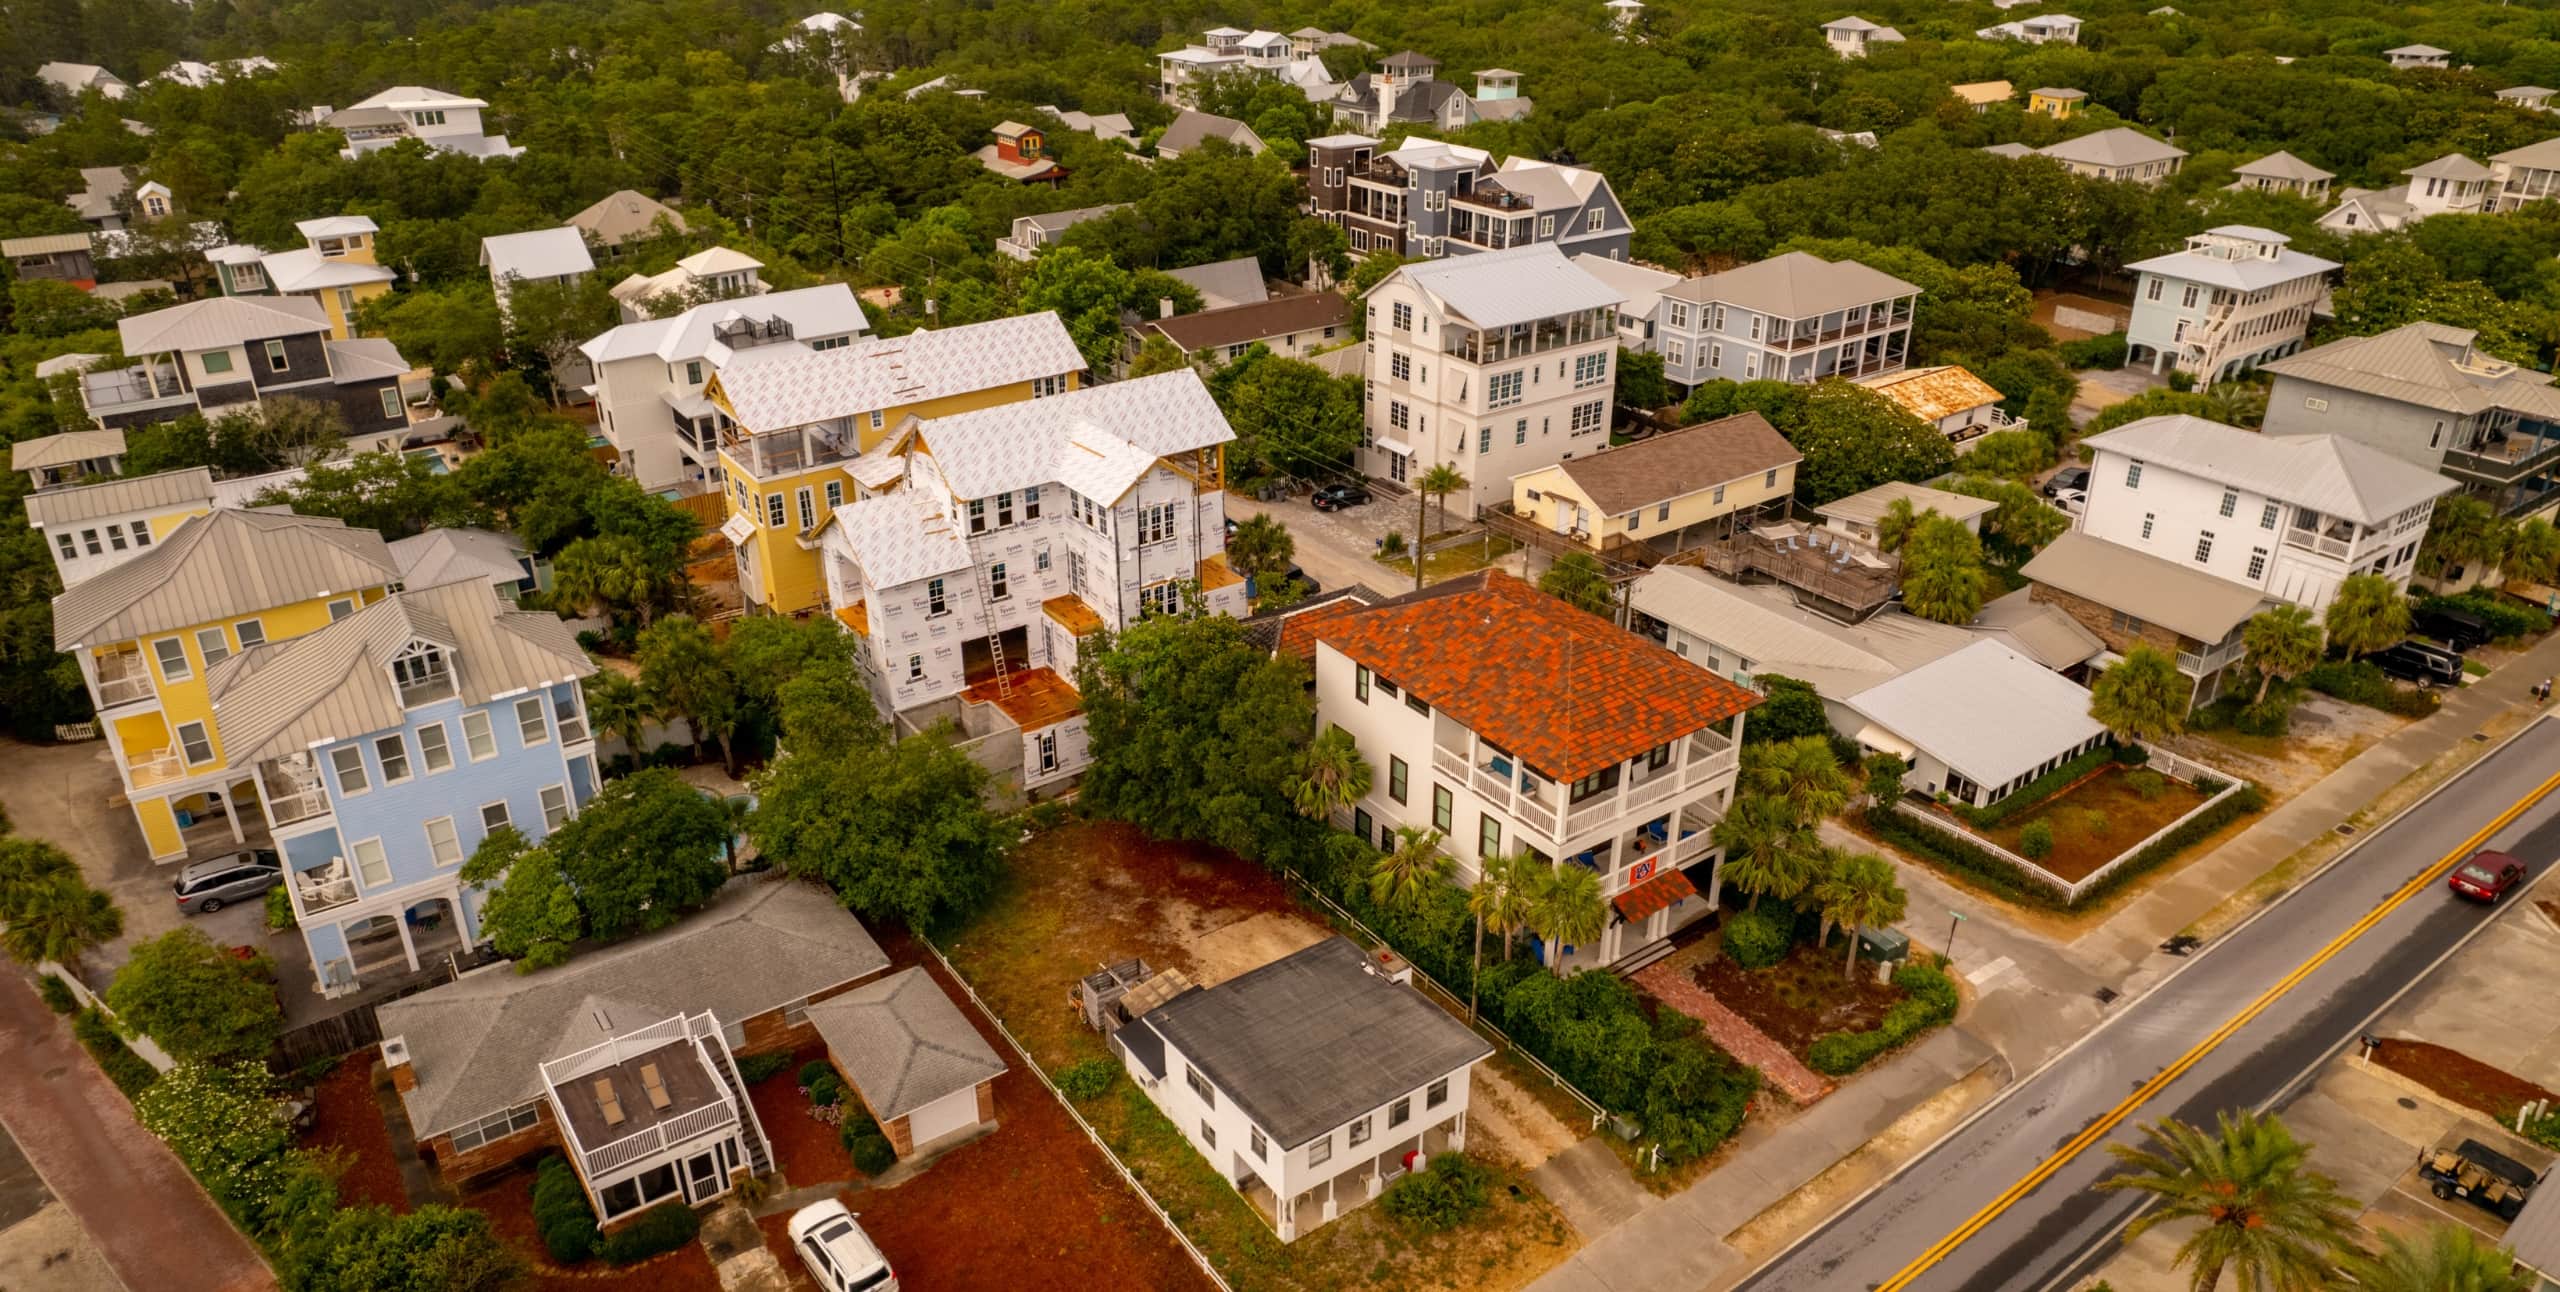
pixel 857 618
pixel 1215 573
pixel 1034 698
pixel 1072 614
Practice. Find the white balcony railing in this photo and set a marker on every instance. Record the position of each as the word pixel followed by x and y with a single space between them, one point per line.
pixel 294 792
pixel 1449 762
pixel 157 767
pixel 123 679
pixel 323 887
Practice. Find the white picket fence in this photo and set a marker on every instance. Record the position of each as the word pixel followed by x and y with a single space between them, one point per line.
pixel 2174 766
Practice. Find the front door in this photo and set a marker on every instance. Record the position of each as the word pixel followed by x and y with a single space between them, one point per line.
pixel 702 1178
pixel 1396 466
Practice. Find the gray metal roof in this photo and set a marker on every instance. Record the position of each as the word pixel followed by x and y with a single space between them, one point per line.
pixel 2426 364
pixel 1501 288
pixel 477 1044
pixel 2283 165
pixel 2533 1237
pixel 221 321
pixel 536 253
pixel 904 1043
pixel 1192 129
pixel 45 244
pixel 1868 506
pixel 335 684
pixel 1226 282
pixel 1939 708
pixel 1763 626
pixel 2121 146
pixel 221 565
pixel 2177 597
pixel 58 507
pixel 2239 274
pixel 1795 285
pixel 2538 156
pixel 1310 1041
pixel 2038 631
pixel 65 449
pixel 444 555
pixel 2330 474
pixel 2452 166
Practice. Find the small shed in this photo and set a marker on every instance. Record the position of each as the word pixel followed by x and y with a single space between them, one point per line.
pixel 914 1059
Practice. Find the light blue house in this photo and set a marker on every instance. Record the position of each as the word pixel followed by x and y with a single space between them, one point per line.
pixel 388 745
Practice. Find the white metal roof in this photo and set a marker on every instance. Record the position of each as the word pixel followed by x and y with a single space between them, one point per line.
pixel 1501 288
pixel 898 538
pixel 2330 474
pixel 1939 708
pixel 304 269
pixel 1764 626
pixel 221 321
pixel 336 226
pixel 412 98
pixel 2240 274
pixel 2452 166
pixel 1867 506
pixel 1097 441
pixel 536 253
pixel 797 389
pixel 828 309
pixel 2283 165
pixel 64 449
pixel 1795 285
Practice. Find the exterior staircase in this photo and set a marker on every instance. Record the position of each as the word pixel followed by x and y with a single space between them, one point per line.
pixel 759 1152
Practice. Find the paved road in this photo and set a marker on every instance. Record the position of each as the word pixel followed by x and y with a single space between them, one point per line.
pixel 156 1228
pixel 2062 1229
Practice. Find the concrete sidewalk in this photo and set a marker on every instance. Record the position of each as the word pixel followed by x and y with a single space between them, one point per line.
pixel 151 1221
pixel 2128 942
pixel 1679 1241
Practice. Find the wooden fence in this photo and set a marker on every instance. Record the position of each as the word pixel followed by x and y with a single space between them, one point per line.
pixel 333 1037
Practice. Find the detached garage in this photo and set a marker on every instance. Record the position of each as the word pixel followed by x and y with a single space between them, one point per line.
pixel 920 1067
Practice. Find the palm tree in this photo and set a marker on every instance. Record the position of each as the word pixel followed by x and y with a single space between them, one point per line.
pixel 616 704
pixel 1942 572
pixel 1765 851
pixel 1802 772
pixel 1861 892
pixel 1896 524
pixel 2533 552
pixel 2453 1259
pixel 2143 697
pixel 1261 546
pixel 1400 879
pixel 1500 898
pixel 1331 775
pixel 2265 1218
pixel 1565 907
pixel 26 866
pixel 2282 642
pixel 58 920
pixel 2368 614
pixel 1435 485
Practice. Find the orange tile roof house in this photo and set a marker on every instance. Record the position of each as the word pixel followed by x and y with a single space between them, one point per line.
pixel 1508 720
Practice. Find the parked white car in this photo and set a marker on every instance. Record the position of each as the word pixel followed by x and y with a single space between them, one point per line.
pixel 2073 502
pixel 839 1255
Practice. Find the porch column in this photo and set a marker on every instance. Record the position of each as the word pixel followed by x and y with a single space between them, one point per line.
pixel 408 945
pixel 1715 882
pixel 231 813
pixel 1458 1132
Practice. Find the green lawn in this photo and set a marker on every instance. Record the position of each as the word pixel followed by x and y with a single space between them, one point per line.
pixel 1450 562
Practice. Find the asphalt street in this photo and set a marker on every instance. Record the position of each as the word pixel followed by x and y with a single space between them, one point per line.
pixel 2062 1228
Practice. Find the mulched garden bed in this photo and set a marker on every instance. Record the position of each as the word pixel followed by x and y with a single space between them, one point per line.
pixel 807 1150
pixel 509 1205
pixel 347 1119
pixel 2079 847
pixel 2460 1078
pixel 1802 998
pixel 1034 1196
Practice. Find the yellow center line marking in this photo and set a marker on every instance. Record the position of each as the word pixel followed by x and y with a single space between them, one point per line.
pixel 2114 1117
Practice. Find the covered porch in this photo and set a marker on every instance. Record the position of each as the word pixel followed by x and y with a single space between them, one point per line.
pixel 1358 1184
pixel 361 951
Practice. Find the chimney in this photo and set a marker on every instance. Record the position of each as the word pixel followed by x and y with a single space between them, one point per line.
pixel 1164 307
pixel 395 1057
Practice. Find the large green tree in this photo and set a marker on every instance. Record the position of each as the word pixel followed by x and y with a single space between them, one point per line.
pixel 686 674
pixel 2141 696
pixel 900 830
pixel 1195 734
pixel 1942 570
pixel 198 1001
pixel 2367 614
pixel 1853 438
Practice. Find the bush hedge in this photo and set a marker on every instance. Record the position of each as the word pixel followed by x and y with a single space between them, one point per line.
pixel 1929 999
pixel 660 1229
pixel 130 1071
pixel 2362 682
pixel 2035 791
pixel 560 1212
pixel 2035 840
pixel 1086 1079
pixel 872 1153
pixel 2507 619
pixel 826 1091
pixel 2103 352
pixel 1978 866
pixel 1593 1029
pixel 762 1067
pixel 57 995
pixel 1757 940
pixel 1444 1195
pixel 813 1070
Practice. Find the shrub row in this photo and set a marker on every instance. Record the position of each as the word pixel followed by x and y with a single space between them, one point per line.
pixel 130 1071
pixel 1448 1193
pixel 1757 939
pixel 660 1229
pixel 1593 1029
pixel 2035 791
pixel 2104 352
pixel 1965 858
pixel 560 1212
pixel 2506 619
pixel 861 1136
pixel 762 1067
pixel 57 995
pixel 2362 682
pixel 1929 1000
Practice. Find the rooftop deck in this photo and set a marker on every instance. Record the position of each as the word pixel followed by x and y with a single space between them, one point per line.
pixel 1033 698
pixel 1819 562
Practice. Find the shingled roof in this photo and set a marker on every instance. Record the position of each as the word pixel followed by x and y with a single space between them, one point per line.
pixel 1568 691
pixel 1681 463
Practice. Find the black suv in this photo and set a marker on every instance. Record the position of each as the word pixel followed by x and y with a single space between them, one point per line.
pixel 2415 661
pixel 2067 478
pixel 2458 630
pixel 1335 497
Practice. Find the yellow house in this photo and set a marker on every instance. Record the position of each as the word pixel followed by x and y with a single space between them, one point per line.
pixel 1666 492
pixel 2061 105
pixel 148 633
pixel 793 422
pixel 335 267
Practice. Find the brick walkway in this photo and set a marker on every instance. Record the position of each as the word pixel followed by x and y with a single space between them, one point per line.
pixel 1671 984
pixel 156 1228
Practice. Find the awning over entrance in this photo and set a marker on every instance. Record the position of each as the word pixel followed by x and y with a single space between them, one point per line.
pixel 1655 894
pixel 1397 447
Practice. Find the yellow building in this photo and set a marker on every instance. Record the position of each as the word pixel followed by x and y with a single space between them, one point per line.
pixel 1667 492
pixel 335 267
pixel 2061 105
pixel 149 632
pixel 795 422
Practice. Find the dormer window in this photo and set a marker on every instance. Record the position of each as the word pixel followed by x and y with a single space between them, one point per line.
pixel 423 672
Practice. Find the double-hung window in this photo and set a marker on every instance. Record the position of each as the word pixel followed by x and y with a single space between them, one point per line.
pixel 443 843
pixel 529 724
pixel 373 865
pixel 172 654
pixel 394 753
pixel 348 762
pixel 494 816
pixel 555 806
pixel 478 736
pixel 435 748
